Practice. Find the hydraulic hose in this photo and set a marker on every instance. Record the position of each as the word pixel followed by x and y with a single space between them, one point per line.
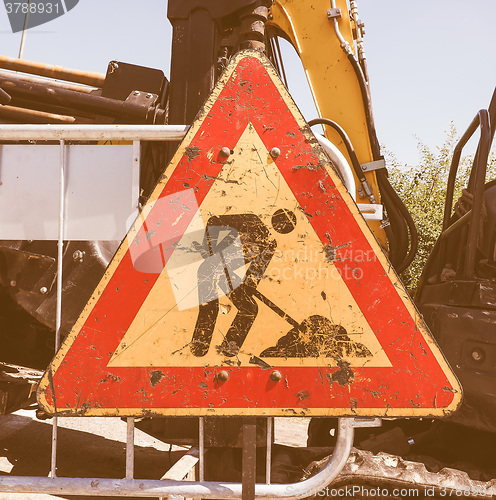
pixel 403 223
pixel 414 240
pixel 364 88
pixel 398 228
pixel 367 104
pixel 351 153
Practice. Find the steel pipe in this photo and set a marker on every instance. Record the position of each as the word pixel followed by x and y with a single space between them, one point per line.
pixel 21 114
pixel 9 75
pixel 157 488
pixel 51 71
pixel 268 458
pixel 31 105
pixel 58 311
pixel 93 132
pixel 201 446
pixel 340 162
pixel 344 44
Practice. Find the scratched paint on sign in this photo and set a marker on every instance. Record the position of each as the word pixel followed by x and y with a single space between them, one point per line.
pixel 248 262
pixel 250 183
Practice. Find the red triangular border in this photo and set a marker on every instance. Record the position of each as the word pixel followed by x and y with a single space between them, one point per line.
pixel 420 381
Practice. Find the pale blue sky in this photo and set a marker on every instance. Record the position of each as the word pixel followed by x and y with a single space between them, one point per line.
pixel 430 61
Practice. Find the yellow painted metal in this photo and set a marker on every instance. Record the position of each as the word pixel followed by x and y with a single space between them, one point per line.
pixel 332 80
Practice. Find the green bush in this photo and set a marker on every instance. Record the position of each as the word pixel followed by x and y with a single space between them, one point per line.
pixel 423 190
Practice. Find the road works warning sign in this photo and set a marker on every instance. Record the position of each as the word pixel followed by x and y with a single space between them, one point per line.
pixel 250 285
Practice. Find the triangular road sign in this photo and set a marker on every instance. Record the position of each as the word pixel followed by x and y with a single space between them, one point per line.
pixel 250 284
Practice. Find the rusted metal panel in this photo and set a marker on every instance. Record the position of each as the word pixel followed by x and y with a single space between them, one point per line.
pixel 250 285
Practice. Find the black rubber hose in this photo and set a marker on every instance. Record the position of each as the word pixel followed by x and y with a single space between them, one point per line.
pixel 414 240
pixel 398 225
pixel 397 233
pixel 349 147
pixel 396 201
pixel 392 240
pixel 367 104
pixel 384 184
pixel 397 244
pixel 398 228
pixel 401 234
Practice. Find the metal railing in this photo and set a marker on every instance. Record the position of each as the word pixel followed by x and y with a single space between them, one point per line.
pixel 196 489
pixel 93 132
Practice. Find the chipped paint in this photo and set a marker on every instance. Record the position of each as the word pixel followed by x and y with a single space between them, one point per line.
pixel 192 152
pixel 155 377
pixel 343 376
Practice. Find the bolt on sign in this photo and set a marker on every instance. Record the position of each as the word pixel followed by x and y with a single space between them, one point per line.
pixel 250 284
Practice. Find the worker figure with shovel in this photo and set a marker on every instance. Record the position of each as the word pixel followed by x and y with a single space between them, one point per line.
pixel 257 250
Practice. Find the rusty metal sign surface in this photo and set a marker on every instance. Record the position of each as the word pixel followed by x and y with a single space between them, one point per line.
pixel 250 285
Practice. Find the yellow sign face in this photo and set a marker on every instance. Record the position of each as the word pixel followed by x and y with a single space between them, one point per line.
pixel 299 279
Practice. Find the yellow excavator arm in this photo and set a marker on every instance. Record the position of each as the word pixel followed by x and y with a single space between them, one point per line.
pixel 325 36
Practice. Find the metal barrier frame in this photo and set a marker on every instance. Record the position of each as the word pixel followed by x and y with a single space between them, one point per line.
pixel 130 486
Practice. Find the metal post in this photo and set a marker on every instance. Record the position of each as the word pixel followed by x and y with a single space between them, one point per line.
pixel 23 38
pixel 268 459
pixel 130 448
pixel 60 244
pixel 53 464
pixel 137 169
pixel 249 461
pixel 58 311
pixel 201 440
